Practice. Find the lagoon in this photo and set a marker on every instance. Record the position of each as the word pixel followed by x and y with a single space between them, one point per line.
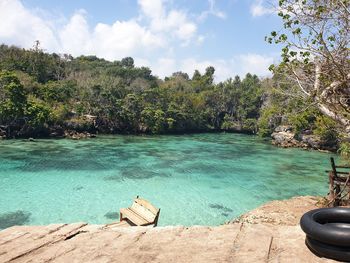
pixel 199 179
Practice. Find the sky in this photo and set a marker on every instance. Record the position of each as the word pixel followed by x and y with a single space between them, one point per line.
pixel 165 35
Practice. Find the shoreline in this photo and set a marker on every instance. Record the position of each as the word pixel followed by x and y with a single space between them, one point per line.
pixel 278 212
pixel 272 212
pixel 86 135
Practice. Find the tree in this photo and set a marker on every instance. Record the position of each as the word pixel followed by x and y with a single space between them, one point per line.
pixel 180 74
pixel 209 75
pixel 38 113
pixel 154 119
pixel 127 62
pixel 205 81
pixel 13 99
pixel 316 52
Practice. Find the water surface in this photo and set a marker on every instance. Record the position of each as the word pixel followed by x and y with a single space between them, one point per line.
pixel 203 179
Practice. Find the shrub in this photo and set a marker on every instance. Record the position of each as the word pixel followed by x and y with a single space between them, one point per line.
pixel 38 113
pixel 303 120
pixel 268 121
pixel 326 128
pixel 344 150
pixel 250 125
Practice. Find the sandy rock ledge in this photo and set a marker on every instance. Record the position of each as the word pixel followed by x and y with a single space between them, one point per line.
pixel 269 233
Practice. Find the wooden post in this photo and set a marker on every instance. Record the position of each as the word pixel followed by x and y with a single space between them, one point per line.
pixel 337 186
pixel 331 187
pixel 156 219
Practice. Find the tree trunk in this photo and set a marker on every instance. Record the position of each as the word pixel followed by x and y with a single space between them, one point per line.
pixel 333 115
pixel 319 97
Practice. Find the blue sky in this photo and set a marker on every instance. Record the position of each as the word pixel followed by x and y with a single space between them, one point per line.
pixel 166 35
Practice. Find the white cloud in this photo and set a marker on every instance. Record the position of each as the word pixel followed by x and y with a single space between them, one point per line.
pixel 123 38
pixel 21 26
pixel 152 8
pixel 175 23
pixel 238 65
pixel 75 36
pixel 259 9
pixel 255 63
pixel 224 68
pixel 165 67
pixel 212 11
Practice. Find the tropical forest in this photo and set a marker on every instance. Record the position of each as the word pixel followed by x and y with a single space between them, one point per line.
pixel 55 95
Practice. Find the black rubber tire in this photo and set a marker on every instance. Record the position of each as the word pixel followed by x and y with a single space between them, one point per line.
pixel 328 251
pixel 330 226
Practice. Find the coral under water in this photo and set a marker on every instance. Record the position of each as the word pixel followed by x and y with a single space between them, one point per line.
pixel 14 219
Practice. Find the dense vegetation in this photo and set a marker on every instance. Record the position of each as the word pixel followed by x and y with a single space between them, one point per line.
pixel 41 91
pixel 45 94
pixel 314 41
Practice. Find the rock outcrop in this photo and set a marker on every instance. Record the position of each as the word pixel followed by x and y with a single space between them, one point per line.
pixel 78 135
pixel 312 141
pixel 281 212
pixel 268 234
pixel 284 136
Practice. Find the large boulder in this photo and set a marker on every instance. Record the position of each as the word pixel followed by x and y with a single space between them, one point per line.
pixel 313 141
pixel 284 128
pixel 283 136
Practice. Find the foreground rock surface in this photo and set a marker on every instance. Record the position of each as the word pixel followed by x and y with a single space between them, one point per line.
pixel 257 237
pixel 281 212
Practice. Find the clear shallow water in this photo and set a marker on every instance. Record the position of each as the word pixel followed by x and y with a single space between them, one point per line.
pixel 203 179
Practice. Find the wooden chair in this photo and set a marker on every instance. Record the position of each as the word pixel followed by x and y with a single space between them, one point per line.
pixel 141 213
pixel 339 181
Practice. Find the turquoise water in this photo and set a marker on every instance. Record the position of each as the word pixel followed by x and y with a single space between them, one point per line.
pixel 203 179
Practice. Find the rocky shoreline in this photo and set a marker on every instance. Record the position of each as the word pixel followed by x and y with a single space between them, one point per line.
pixel 269 233
pixel 281 212
pixel 284 136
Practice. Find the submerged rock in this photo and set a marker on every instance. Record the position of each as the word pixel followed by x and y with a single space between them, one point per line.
pixel 16 218
pixel 221 207
pixel 112 215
